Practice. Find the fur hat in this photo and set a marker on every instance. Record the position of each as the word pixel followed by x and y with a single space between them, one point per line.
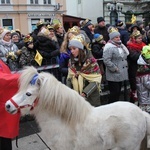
pixel 99 19
pixel 113 32
pixel 98 37
pixel 146 52
pixel 76 41
pixel 4 32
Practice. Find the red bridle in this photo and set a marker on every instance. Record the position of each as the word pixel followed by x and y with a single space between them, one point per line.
pixel 25 106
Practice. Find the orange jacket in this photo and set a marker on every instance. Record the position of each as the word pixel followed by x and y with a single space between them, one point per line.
pixel 9 124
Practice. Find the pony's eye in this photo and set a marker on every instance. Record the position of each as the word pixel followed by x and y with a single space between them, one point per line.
pixel 28 94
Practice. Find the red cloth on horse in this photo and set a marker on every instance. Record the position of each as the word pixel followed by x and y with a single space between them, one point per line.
pixel 9 124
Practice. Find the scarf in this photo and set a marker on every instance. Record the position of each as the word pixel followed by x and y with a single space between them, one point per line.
pixel 135 46
pixel 78 82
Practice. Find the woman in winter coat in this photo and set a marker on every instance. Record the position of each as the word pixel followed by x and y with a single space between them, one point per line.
pixel 9 124
pixel 115 59
pixel 8 50
pixel 84 74
pixel 143 79
pixel 135 47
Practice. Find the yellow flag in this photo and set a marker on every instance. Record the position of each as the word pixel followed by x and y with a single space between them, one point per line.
pixel 38 58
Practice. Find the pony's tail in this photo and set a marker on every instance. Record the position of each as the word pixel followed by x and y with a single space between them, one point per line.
pixel 147 116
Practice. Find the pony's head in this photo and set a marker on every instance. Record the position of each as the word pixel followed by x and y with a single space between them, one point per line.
pixel 26 97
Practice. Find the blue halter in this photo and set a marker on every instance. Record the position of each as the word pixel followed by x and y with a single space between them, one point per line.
pixel 35 77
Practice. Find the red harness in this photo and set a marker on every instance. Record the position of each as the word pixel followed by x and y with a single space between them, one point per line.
pixel 25 106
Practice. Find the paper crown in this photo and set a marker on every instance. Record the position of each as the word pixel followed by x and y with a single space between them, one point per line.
pixel 146 52
pixel 57 25
pixel 79 38
pixel 45 31
pixel 40 22
pixel 50 27
pixel 112 29
pixel 136 33
pixel 74 30
pixel 28 39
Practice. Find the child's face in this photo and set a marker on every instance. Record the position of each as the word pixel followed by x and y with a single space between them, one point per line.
pixel 139 39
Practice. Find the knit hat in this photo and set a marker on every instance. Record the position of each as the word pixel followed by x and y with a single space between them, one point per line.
pixel 146 52
pixel 98 37
pixel 14 33
pixel 113 32
pixel 99 19
pixel 4 32
pixel 76 41
pixel 119 23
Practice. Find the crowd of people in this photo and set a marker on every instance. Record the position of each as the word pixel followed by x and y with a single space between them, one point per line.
pixel 88 55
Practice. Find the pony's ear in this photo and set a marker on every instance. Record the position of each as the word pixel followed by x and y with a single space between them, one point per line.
pixel 39 82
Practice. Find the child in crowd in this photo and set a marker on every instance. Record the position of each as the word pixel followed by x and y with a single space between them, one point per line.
pixel 84 74
pixel 143 79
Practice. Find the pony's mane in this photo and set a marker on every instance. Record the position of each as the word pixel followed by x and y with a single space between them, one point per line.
pixel 61 100
pixel 26 76
pixel 56 97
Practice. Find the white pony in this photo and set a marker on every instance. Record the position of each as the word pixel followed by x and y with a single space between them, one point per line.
pixel 69 122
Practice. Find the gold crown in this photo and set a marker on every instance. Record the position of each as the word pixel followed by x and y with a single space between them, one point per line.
pixel 112 29
pixel 136 33
pixel 79 38
pixel 74 30
pixel 57 25
pixel 50 27
pixel 28 39
pixel 45 31
pixel 40 22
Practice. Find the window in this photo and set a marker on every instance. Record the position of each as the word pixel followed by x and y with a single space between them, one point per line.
pixel 34 2
pixel 46 1
pixel 33 23
pixel 5 1
pixel 7 23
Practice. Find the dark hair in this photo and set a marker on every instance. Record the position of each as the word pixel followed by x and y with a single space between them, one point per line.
pixel 81 57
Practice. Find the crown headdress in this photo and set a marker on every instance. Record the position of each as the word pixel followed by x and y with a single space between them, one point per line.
pixel 40 22
pixel 74 30
pixel 136 33
pixel 112 29
pixel 28 38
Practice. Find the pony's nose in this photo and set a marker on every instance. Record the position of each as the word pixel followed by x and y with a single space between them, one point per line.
pixel 7 106
pixel 28 94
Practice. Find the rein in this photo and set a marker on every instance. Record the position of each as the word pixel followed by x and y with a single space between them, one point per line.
pixel 25 106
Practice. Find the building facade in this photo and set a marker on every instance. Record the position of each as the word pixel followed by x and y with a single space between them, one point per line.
pixel 24 14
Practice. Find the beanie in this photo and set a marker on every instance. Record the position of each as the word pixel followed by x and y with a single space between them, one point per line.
pixel 5 31
pixel 14 33
pixel 77 41
pixel 146 52
pixel 98 37
pixel 113 32
pixel 99 19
